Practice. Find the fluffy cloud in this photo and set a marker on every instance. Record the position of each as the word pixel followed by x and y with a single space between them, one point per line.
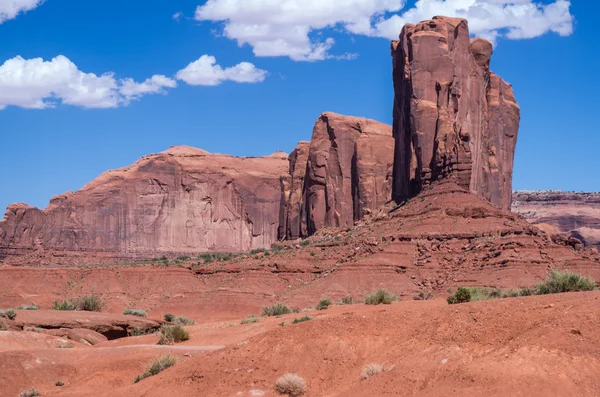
pixel 9 9
pixel 284 27
pixel 39 84
pixel 206 71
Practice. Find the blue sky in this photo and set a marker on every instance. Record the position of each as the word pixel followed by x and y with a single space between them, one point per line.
pixel 289 74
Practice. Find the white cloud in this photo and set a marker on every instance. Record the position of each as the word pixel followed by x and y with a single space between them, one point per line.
pixel 206 71
pixel 9 9
pixel 284 27
pixel 38 84
pixel 178 15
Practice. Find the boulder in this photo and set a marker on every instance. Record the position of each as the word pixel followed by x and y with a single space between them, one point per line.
pixel 453 117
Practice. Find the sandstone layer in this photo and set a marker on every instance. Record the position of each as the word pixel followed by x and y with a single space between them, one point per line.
pixel 453 117
pixel 180 201
pixel 344 174
pixel 575 214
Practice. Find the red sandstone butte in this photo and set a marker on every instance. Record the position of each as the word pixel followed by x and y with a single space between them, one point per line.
pixel 453 117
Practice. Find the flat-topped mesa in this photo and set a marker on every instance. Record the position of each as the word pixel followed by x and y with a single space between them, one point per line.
pixel 453 117
pixel 181 201
pixel 337 178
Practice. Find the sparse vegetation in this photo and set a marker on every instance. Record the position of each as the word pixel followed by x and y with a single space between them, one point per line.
pixel 371 370
pixel 324 304
pixel 65 346
pixel 347 300
pixel 2 326
pixel 304 243
pixel 291 385
pixel 557 282
pixel 89 303
pixel 251 319
pixel 10 314
pixel 277 309
pixel 156 367
pixel 259 251
pixel 140 331
pixel 423 296
pixel 302 319
pixel 28 307
pixel 30 393
pixel 170 334
pixel 380 297
pixel 59 383
pixel 178 319
pixel 135 312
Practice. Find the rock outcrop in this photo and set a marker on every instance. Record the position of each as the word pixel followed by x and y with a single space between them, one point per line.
pixel 342 175
pixel 180 201
pixel 574 214
pixel 453 117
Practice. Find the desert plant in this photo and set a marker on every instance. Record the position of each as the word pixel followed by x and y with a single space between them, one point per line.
pixel 250 319
pixel 423 296
pixel 371 370
pixel 324 304
pixel 462 295
pixel 135 312
pixel 90 303
pixel 156 367
pixel 10 314
pixel 291 385
pixel 65 346
pixel 30 393
pixel 170 334
pixel 379 297
pixel 141 331
pixel 3 326
pixel 65 305
pixel 277 309
pixel 302 319
pixel 178 319
pixel 565 281
pixel 347 300
pixel 28 307
pixel 59 383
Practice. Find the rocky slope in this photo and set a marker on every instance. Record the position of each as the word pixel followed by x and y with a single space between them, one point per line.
pixel 576 214
pixel 453 117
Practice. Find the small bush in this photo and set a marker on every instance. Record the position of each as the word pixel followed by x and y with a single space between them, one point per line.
pixel 565 281
pixel 304 243
pixel 258 251
pixel 178 319
pixel 10 314
pixel 251 319
pixel 28 307
pixel 169 317
pixel 379 297
pixel 65 305
pixel 423 296
pixel 65 346
pixel 302 319
pixel 156 367
pixel 90 303
pixel 291 385
pixel 3 326
pixel 30 393
pixel 170 334
pixel 462 295
pixel 371 370
pixel 135 312
pixel 324 304
pixel 277 309
pixel 59 383
pixel 347 300
pixel 140 331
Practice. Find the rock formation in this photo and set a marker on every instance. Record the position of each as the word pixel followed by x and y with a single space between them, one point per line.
pixel 180 201
pixel 453 117
pixel 340 177
pixel 575 214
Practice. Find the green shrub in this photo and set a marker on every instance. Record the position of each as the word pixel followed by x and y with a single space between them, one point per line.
pixel 183 258
pixel 178 319
pixel 170 334
pixel 59 383
pixel 379 297
pixel 565 281
pixel 347 300
pixel 258 251
pixel 135 312
pixel 156 367
pixel 302 319
pixel 30 393
pixel 251 319
pixel 3 326
pixel 141 331
pixel 65 305
pixel 10 314
pixel 304 243
pixel 462 295
pixel 28 307
pixel 277 309
pixel 90 303
pixel 324 304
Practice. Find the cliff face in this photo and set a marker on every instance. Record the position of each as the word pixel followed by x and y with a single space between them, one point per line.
pixel 180 201
pixel 453 118
pixel 343 173
pixel 576 214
